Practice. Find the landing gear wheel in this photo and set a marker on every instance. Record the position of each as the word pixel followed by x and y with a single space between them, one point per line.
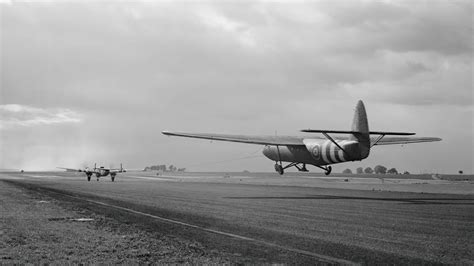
pixel 97 179
pixel 279 169
pixel 112 177
pixel 89 178
pixel 328 170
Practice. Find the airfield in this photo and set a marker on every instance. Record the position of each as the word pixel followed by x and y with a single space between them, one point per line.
pixel 215 218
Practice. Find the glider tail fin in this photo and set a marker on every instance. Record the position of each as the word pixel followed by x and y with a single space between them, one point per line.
pixel 360 126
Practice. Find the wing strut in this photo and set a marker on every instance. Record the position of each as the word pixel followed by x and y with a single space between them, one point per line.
pixel 379 138
pixel 279 156
pixel 335 143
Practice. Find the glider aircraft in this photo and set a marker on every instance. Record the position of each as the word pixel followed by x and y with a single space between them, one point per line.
pixel 317 150
pixel 98 172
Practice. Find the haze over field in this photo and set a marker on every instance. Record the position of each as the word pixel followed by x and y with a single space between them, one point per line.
pixel 98 81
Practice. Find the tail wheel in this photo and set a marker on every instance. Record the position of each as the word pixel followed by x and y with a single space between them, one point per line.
pixel 328 170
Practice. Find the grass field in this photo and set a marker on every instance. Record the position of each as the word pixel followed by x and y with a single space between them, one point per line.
pixel 291 219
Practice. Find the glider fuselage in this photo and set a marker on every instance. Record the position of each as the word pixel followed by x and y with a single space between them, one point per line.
pixel 316 152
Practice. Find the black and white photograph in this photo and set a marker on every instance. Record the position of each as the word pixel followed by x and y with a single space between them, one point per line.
pixel 211 132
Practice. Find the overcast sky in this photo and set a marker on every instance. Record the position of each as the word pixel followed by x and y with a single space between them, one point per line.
pixel 85 82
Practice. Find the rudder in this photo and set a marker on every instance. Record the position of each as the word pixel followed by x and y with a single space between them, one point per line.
pixel 360 124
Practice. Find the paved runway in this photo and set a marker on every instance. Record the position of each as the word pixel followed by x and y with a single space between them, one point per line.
pixel 291 218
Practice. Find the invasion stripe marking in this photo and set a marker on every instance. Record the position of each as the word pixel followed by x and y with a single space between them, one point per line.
pixel 328 152
pixel 341 155
pixel 336 151
pixel 332 153
pixel 340 152
pixel 324 149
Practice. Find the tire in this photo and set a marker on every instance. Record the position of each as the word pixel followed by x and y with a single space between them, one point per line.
pixel 328 172
pixel 279 169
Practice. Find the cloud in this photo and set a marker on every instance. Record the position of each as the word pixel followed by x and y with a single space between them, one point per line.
pixel 236 29
pixel 13 115
pixel 244 67
pixel 442 27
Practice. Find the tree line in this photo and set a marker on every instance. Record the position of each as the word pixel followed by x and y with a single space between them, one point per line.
pixel 164 168
pixel 379 169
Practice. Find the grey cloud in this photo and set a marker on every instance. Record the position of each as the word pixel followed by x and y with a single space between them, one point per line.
pixel 12 115
pixel 140 67
pixel 139 56
pixel 444 26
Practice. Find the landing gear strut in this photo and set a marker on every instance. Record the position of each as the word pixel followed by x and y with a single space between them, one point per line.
pixel 327 169
pixel 301 168
pixel 279 168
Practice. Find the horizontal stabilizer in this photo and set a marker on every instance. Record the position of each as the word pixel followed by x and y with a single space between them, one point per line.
pixel 401 140
pixel 356 132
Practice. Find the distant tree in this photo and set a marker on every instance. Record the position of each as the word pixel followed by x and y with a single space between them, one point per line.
pixel 460 172
pixel 368 170
pixel 164 168
pixel 347 171
pixel 380 169
pixel 392 171
pixel 360 170
pixel 406 173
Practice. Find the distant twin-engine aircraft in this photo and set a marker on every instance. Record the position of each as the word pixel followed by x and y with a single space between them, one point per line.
pixel 318 151
pixel 98 172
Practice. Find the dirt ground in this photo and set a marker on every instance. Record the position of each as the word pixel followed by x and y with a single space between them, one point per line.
pixel 35 229
pixel 292 220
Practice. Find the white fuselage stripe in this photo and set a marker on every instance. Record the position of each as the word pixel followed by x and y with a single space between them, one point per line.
pixel 341 152
pixel 323 151
pixel 341 156
pixel 332 153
